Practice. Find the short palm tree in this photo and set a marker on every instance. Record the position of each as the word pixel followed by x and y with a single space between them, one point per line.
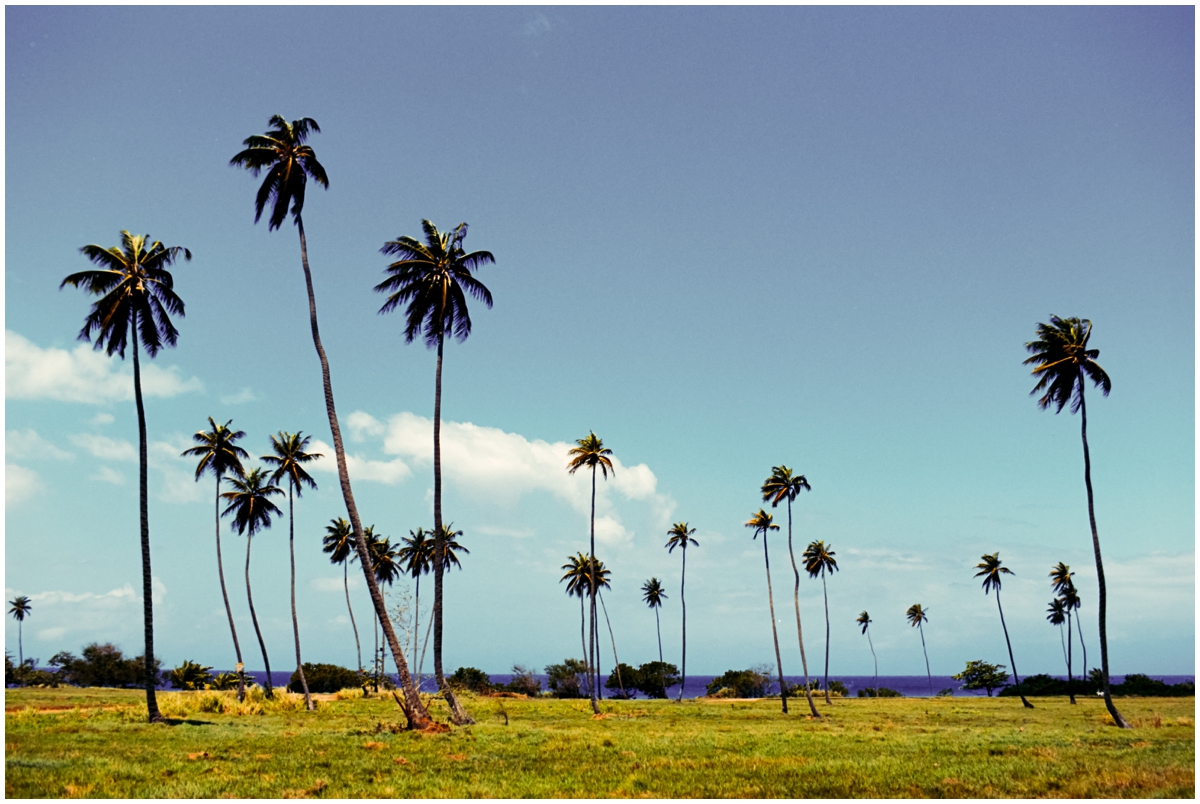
pixel 451 547
pixel 818 559
pixel 339 543
pixel 653 596
pixel 761 523
pixel 1062 580
pixel 137 297
pixel 590 452
pixel 1063 363
pixel 416 559
pixel 20 608
pixel 288 458
pixel 577 577
pixel 864 620
pixel 680 535
pixel 219 454
pixel 251 506
pixel 602 576
pixel 1057 615
pixel 385 566
pixel 783 485
pixel 917 617
pixel 991 570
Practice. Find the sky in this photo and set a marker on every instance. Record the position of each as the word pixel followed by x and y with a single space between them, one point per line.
pixel 725 238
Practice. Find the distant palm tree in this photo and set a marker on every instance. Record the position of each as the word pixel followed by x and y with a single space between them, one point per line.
pixel 1057 615
pixel 991 570
pixel 219 454
pixel 680 536
pixel 416 558
pixel 137 297
pixel 602 575
pixel 22 607
pixel 450 550
pixel 864 620
pixel 590 452
pixel 339 543
pixel 653 596
pixel 761 523
pixel 251 506
pixel 1062 360
pixel 917 617
pixel 577 577
pixel 1063 583
pixel 288 459
pixel 386 569
pixel 783 485
pixel 817 559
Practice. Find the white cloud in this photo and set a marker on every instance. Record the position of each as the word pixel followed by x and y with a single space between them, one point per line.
pixel 28 444
pixel 336 584
pixel 242 396
pixel 165 456
pixel 19 483
pixel 102 418
pixel 389 472
pixel 516 533
pixel 363 425
pixel 81 375
pixel 107 475
pixel 60 612
pixel 105 448
pixel 51 634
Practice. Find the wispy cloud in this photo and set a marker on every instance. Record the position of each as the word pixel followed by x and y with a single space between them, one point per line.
pixel 19 484
pixel 389 472
pixel 164 456
pixel 108 475
pixel 60 612
pixel 241 397
pixel 28 444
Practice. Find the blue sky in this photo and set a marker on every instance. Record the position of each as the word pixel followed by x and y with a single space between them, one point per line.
pixel 725 238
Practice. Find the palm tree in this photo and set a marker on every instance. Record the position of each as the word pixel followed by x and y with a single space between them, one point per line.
pixel 1062 360
pixel 416 558
pixel 289 460
pixel 289 163
pixel 680 535
pixel 653 596
pixel 22 607
pixel 578 580
pixel 991 570
pixel 450 550
pixel 590 452
pixel 385 568
pixel 783 485
pixel 864 620
pixel 1057 615
pixel 761 523
pixel 339 542
pixel 219 454
pixel 137 296
pixel 817 559
pixel 1063 583
pixel 251 506
pixel 917 617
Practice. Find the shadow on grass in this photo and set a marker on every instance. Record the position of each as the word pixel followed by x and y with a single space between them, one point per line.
pixel 174 721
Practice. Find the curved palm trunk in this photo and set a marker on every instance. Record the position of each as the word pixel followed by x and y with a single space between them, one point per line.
pixel 414 710
pixel 662 671
pixel 825 589
pixel 144 511
pixel 1062 641
pixel 774 630
pixel 921 628
pixel 800 629
pixel 254 619
pixel 596 652
pixel 683 604
pixel 1087 480
pixel 1070 687
pixel 308 704
pixel 424 650
pixel 583 644
pixel 349 608
pixel 1007 642
pixel 237 649
pixel 592 594
pixel 1083 647
pixel 616 661
pixel 876 660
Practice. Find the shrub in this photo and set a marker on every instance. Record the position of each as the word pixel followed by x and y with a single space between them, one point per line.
pixel 190 676
pixel 470 678
pixel 979 675
pixel 837 689
pixel 325 678
pixel 523 682
pixel 882 692
pixel 569 679
pixel 224 681
pixel 946 692
pixel 102 666
pixel 625 684
pixel 655 677
pixel 742 683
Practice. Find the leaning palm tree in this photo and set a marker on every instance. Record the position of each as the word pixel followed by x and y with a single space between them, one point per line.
pixel 416 559
pixel 339 542
pixel 991 570
pixel 864 620
pixel 917 617
pixel 653 596
pixel 1063 363
pixel 761 523
pixel 783 485
pixel 817 559
pixel 21 607
pixel 577 580
pixel 137 297
pixel 289 163
pixel 288 459
pixel 1063 582
pixel 1057 615
pixel 219 454
pixel 680 535
pixel 251 506
pixel 590 452
pixel 431 277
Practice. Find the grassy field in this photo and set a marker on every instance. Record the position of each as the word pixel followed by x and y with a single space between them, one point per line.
pixel 92 743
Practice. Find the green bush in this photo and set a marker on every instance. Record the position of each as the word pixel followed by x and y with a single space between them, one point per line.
pixel 102 666
pixel 190 676
pixel 523 682
pixel 569 679
pixel 882 692
pixel 470 678
pixel 740 683
pixel 655 677
pixel 625 684
pixel 979 675
pixel 1141 684
pixel 224 681
pixel 325 678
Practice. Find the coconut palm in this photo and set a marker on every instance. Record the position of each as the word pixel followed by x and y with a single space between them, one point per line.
pixel 864 620
pixel 761 523
pixel 22 607
pixel 653 596
pixel 991 570
pixel 416 559
pixel 680 535
pixel 1063 363
pixel 288 459
pixel 385 566
pixel 577 577
pixel 137 296
pixel 590 452
pixel 917 617
pixel 251 506
pixel 1057 615
pixel 817 560
pixel 289 163
pixel 1063 583
pixel 339 543
pixel 783 485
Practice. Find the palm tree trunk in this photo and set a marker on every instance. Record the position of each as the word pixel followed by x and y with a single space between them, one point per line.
pixel 254 619
pixel 921 628
pixel 583 644
pixel 416 640
pixel 616 661
pixel 1008 642
pixel 308 704
pixel 1087 480
pixel 592 594
pixel 876 660
pixel 237 649
pixel 596 652
pixel 774 630
pixel 349 608
pixel 21 643
pixel 799 629
pixel 825 589
pixel 662 671
pixel 1070 687
pixel 683 605
pixel 414 710
pixel 144 511
pixel 1079 630
pixel 424 650
pixel 1062 640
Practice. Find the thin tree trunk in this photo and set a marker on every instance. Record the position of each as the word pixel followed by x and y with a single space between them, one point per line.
pixel 1011 658
pixel 799 628
pixel 1070 687
pixel 774 630
pixel 1087 480
pixel 616 661
pixel 254 619
pixel 662 671
pixel 144 510
pixel 416 640
pixel 876 660
pixel 308 704
pixel 1083 647
pixel 596 652
pixel 21 643
pixel 683 605
pixel 1062 641
pixel 237 649
pixel 825 589
pixel 592 595
pixel 349 608
pixel 583 644
pixel 424 650
pixel 921 628
pixel 414 710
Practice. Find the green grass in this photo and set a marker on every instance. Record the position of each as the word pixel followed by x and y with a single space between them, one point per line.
pixel 96 746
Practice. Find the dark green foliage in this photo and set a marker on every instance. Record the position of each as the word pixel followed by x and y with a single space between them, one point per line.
pixel 882 692
pixel 523 682
pixel 568 680
pixel 102 666
pixel 224 681
pixel 838 688
pixel 739 684
pixel 979 675
pixel 1135 684
pixel 1141 684
pixel 27 674
pixel 325 678
pixel 470 678
pixel 625 684
pixel 653 678
pixel 1042 684
pixel 190 676
pixel 946 692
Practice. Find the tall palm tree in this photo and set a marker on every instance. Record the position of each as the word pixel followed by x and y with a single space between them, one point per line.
pixel 783 485
pixel 653 596
pixel 590 452
pixel 577 577
pixel 137 296
pixel 817 560
pixel 289 163
pixel 1057 615
pixel 680 535
pixel 1063 363
pixel 416 559
pixel 219 454
pixel 22 607
pixel 431 278
pixel 917 617
pixel 864 620
pixel 251 506
pixel 385 569
pixel 450 550
pixel 288 459
pixel 991 570
pixel 761 523
pixel 1063 582
pixel 339 542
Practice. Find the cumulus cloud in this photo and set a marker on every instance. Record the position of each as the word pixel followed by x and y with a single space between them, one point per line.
pixel 81 375
pixel 19 484
pixel 389 472
pixel 108 475
pixel 61 612
pixel 28 444
pixel 105 448
pixel 164 456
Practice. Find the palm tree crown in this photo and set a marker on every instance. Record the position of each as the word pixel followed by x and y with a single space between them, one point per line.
pixel 1060 577
pixel 383 556
pixel 288 162
pixel 250 502
pixel 653 593
pixel 680 536
pixel 590 452
pixel 864 620
pixel 416 554
pixel 761 523
pixel 783 485
pixel 289 460
pixel 818 558
pixel 1057 612
pixel 1061 359
pixel 450 547
pixel 916 615
pixel 22 607
pixel 338 541
pixel 990 570
pixel 216 450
